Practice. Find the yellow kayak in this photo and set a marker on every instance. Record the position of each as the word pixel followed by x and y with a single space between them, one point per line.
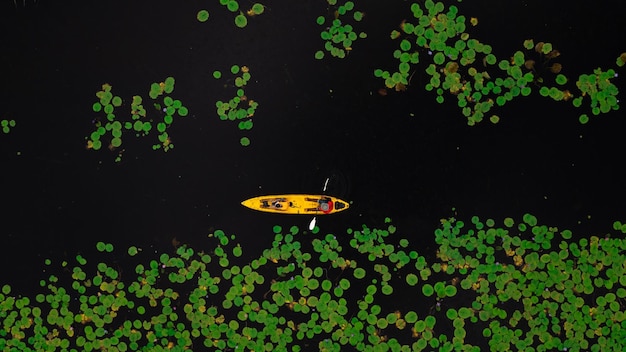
pixel 308 204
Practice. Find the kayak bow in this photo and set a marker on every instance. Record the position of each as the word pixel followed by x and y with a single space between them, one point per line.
pixel 307 204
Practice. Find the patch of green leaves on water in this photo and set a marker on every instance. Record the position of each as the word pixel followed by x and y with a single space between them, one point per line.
pixel 241 18
pixel 621 60
pixel 139 122
pixel 601 92
pixel 238 108
pixel 552 286
pixel 514 285
pixel 467 69
pixel 339 34
pixel 202 15
pixel 7 125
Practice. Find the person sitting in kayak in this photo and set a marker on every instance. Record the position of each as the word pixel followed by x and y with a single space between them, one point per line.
pixel 325 205
pixel 276 203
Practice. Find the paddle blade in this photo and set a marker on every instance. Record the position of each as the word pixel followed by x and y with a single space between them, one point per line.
pixel 312 224
pixel 326 184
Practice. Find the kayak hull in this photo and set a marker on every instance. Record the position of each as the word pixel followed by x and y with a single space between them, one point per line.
pixel 302 204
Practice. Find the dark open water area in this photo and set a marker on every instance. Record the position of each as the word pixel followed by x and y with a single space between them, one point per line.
pixel 396 154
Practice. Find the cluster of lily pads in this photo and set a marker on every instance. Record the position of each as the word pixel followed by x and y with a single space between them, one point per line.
pixel 240 107
pixel 339 35
pixel 139 122
pixel 621 60
pixel 233 6
pixel 7 125
pixel 521 286
pixel 461 67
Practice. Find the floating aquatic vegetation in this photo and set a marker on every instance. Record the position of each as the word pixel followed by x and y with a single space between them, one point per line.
pixel 7 125
pixel 240 107
pixel 139 122
pixel 232 5
pixel 339 35
pixel 244 141
pixel 601 92
pixel 621 60
pixel 511 286
pixel 468 70
pixel 241 19
pixel 256 9
pixel 107 103
pixel 202 15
